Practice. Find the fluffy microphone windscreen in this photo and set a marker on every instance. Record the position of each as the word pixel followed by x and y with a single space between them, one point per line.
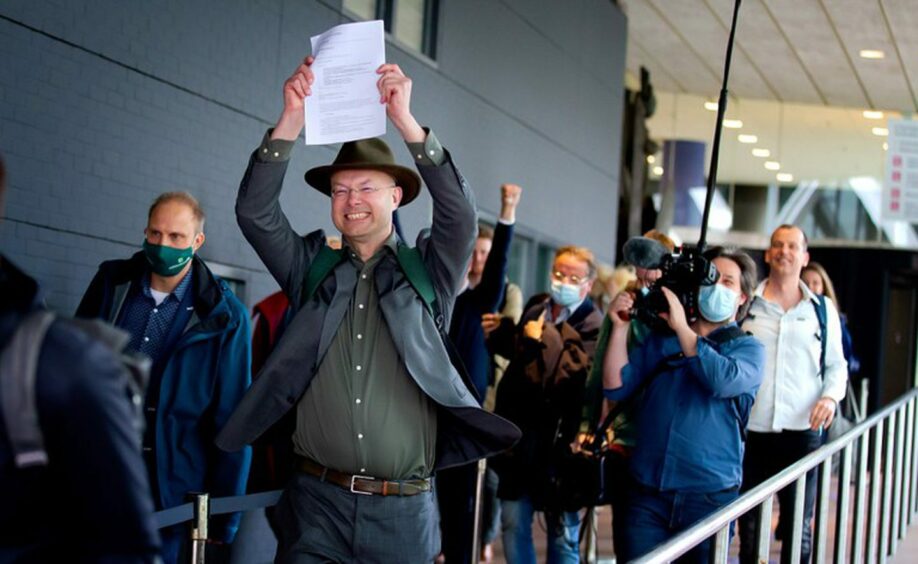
pixel 643 252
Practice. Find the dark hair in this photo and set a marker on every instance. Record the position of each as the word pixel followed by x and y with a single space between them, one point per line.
pixel 806 241
pixel 748 275
pixel 485 232
pixel 184 197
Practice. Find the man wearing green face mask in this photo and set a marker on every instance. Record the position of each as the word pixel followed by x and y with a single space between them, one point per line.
pixel 197 334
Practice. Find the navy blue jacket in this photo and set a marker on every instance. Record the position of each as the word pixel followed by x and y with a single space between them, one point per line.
pixel 91 503
pixel 201 381
pixel 465 328
pixel 690 418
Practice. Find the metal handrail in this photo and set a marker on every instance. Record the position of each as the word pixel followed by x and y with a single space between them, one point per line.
pixel 898 432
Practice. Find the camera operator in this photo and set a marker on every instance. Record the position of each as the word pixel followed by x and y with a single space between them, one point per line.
pixel 699 383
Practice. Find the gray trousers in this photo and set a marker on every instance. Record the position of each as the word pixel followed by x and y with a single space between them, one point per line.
pixel 321 522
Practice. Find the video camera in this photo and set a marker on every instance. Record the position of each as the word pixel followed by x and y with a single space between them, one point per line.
pixel 684 271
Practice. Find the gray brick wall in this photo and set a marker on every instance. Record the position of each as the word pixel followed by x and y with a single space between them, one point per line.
pixel 105 104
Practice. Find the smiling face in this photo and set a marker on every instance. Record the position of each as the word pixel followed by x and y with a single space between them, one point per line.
pixel 787 254
pixel 362 211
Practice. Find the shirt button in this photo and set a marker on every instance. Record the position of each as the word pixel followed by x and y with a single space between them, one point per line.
pixel 146 339
pixel 265 150
pixel 431 152
pixel 359 368
pixel 276 154
pixel 155 310
pixel 363 469
pixel 357 400
pixel 364 276
pixel 359 336
pixel 360 306
pixel 359 435
pixel 420 156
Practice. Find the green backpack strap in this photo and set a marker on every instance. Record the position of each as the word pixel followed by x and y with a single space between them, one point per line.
pixel 409 258
pixel 326 261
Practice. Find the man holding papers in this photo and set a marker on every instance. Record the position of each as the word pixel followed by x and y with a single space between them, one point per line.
pixel 378 404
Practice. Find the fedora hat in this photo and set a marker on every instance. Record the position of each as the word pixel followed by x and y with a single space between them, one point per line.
pixel 366 154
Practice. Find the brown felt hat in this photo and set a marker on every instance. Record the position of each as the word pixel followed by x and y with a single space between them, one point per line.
pixel 366 154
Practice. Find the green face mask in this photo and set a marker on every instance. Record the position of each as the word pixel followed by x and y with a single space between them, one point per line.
pixel 166 261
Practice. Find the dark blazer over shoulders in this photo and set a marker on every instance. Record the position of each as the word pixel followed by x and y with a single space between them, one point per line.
pixel 465 431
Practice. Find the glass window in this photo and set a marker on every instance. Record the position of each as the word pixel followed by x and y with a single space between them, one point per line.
pixel 412 22
pixel 363 9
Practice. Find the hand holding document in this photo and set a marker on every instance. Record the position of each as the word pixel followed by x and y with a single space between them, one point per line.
pixel 344 104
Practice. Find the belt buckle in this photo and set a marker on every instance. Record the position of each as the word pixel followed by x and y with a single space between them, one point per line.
pixel 354 479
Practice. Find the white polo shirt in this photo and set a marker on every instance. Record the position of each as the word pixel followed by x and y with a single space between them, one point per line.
pixel 791 384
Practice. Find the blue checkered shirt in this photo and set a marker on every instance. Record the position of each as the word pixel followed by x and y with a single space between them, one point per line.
pixel 147 323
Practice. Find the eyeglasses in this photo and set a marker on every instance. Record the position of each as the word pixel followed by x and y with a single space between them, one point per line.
pixel 342 193
pixel 573 278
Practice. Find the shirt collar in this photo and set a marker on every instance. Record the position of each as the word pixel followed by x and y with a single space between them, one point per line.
pixel 391 243
pixel 178 292
pixel 566 312
pixel 808 294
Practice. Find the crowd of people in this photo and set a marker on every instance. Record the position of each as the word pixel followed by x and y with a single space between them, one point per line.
pixel 383 372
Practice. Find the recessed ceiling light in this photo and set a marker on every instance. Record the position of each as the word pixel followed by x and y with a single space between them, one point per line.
pixel 772 165
pixel 784 177
pixel 762 153
pixel 872 54
pixel 885 146
pixel 733 123
pixel 651 159
pixel 710 106
pixel 873 114
pixel 658 170
pixel 746 138
pixel 880 131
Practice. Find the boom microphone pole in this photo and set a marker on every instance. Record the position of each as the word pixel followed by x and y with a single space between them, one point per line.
pixel 715 149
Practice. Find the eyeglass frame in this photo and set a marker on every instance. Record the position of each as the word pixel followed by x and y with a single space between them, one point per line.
pixel 559 276
pixel 341 193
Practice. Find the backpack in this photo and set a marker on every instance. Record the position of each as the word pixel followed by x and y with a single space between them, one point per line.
pixel 19 366
pixel 412 264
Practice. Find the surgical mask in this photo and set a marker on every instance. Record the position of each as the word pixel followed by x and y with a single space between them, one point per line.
pixel 565 295
pixel 717 302
pixel 166 261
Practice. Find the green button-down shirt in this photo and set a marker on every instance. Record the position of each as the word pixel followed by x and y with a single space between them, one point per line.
pixel 363 413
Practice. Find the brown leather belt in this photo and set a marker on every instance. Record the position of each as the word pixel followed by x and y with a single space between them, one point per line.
pixel 366 485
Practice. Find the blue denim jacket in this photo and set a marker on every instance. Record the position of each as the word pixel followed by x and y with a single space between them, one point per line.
pixel 689 435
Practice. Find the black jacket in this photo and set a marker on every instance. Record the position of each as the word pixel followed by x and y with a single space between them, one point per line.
pixel 91 502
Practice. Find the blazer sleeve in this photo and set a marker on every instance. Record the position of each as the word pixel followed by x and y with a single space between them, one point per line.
pixel 283 251
pixel 447 246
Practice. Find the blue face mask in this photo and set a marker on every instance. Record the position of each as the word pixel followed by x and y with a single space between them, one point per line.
pixel 565 295
pixel 716 303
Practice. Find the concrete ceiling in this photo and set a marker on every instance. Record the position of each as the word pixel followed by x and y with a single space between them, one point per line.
pixel 797 80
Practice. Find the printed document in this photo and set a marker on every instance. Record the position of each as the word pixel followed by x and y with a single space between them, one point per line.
pixel 344 104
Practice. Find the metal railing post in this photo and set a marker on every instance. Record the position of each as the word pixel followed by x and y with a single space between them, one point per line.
pixel 201 510
pixel 720 547
pixel 912 508
pixel 873 519
pixel 887 488
pixel 797 523
pixel 476 520
pixel 861 503
pixel 897 481
pixel 820 534
pixel 906 514
pixel 844 504
pixel 763 529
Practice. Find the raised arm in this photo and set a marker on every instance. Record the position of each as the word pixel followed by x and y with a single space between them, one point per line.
pixel 258 210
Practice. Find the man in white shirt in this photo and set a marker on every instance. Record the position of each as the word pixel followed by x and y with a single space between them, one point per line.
pixel 798 396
